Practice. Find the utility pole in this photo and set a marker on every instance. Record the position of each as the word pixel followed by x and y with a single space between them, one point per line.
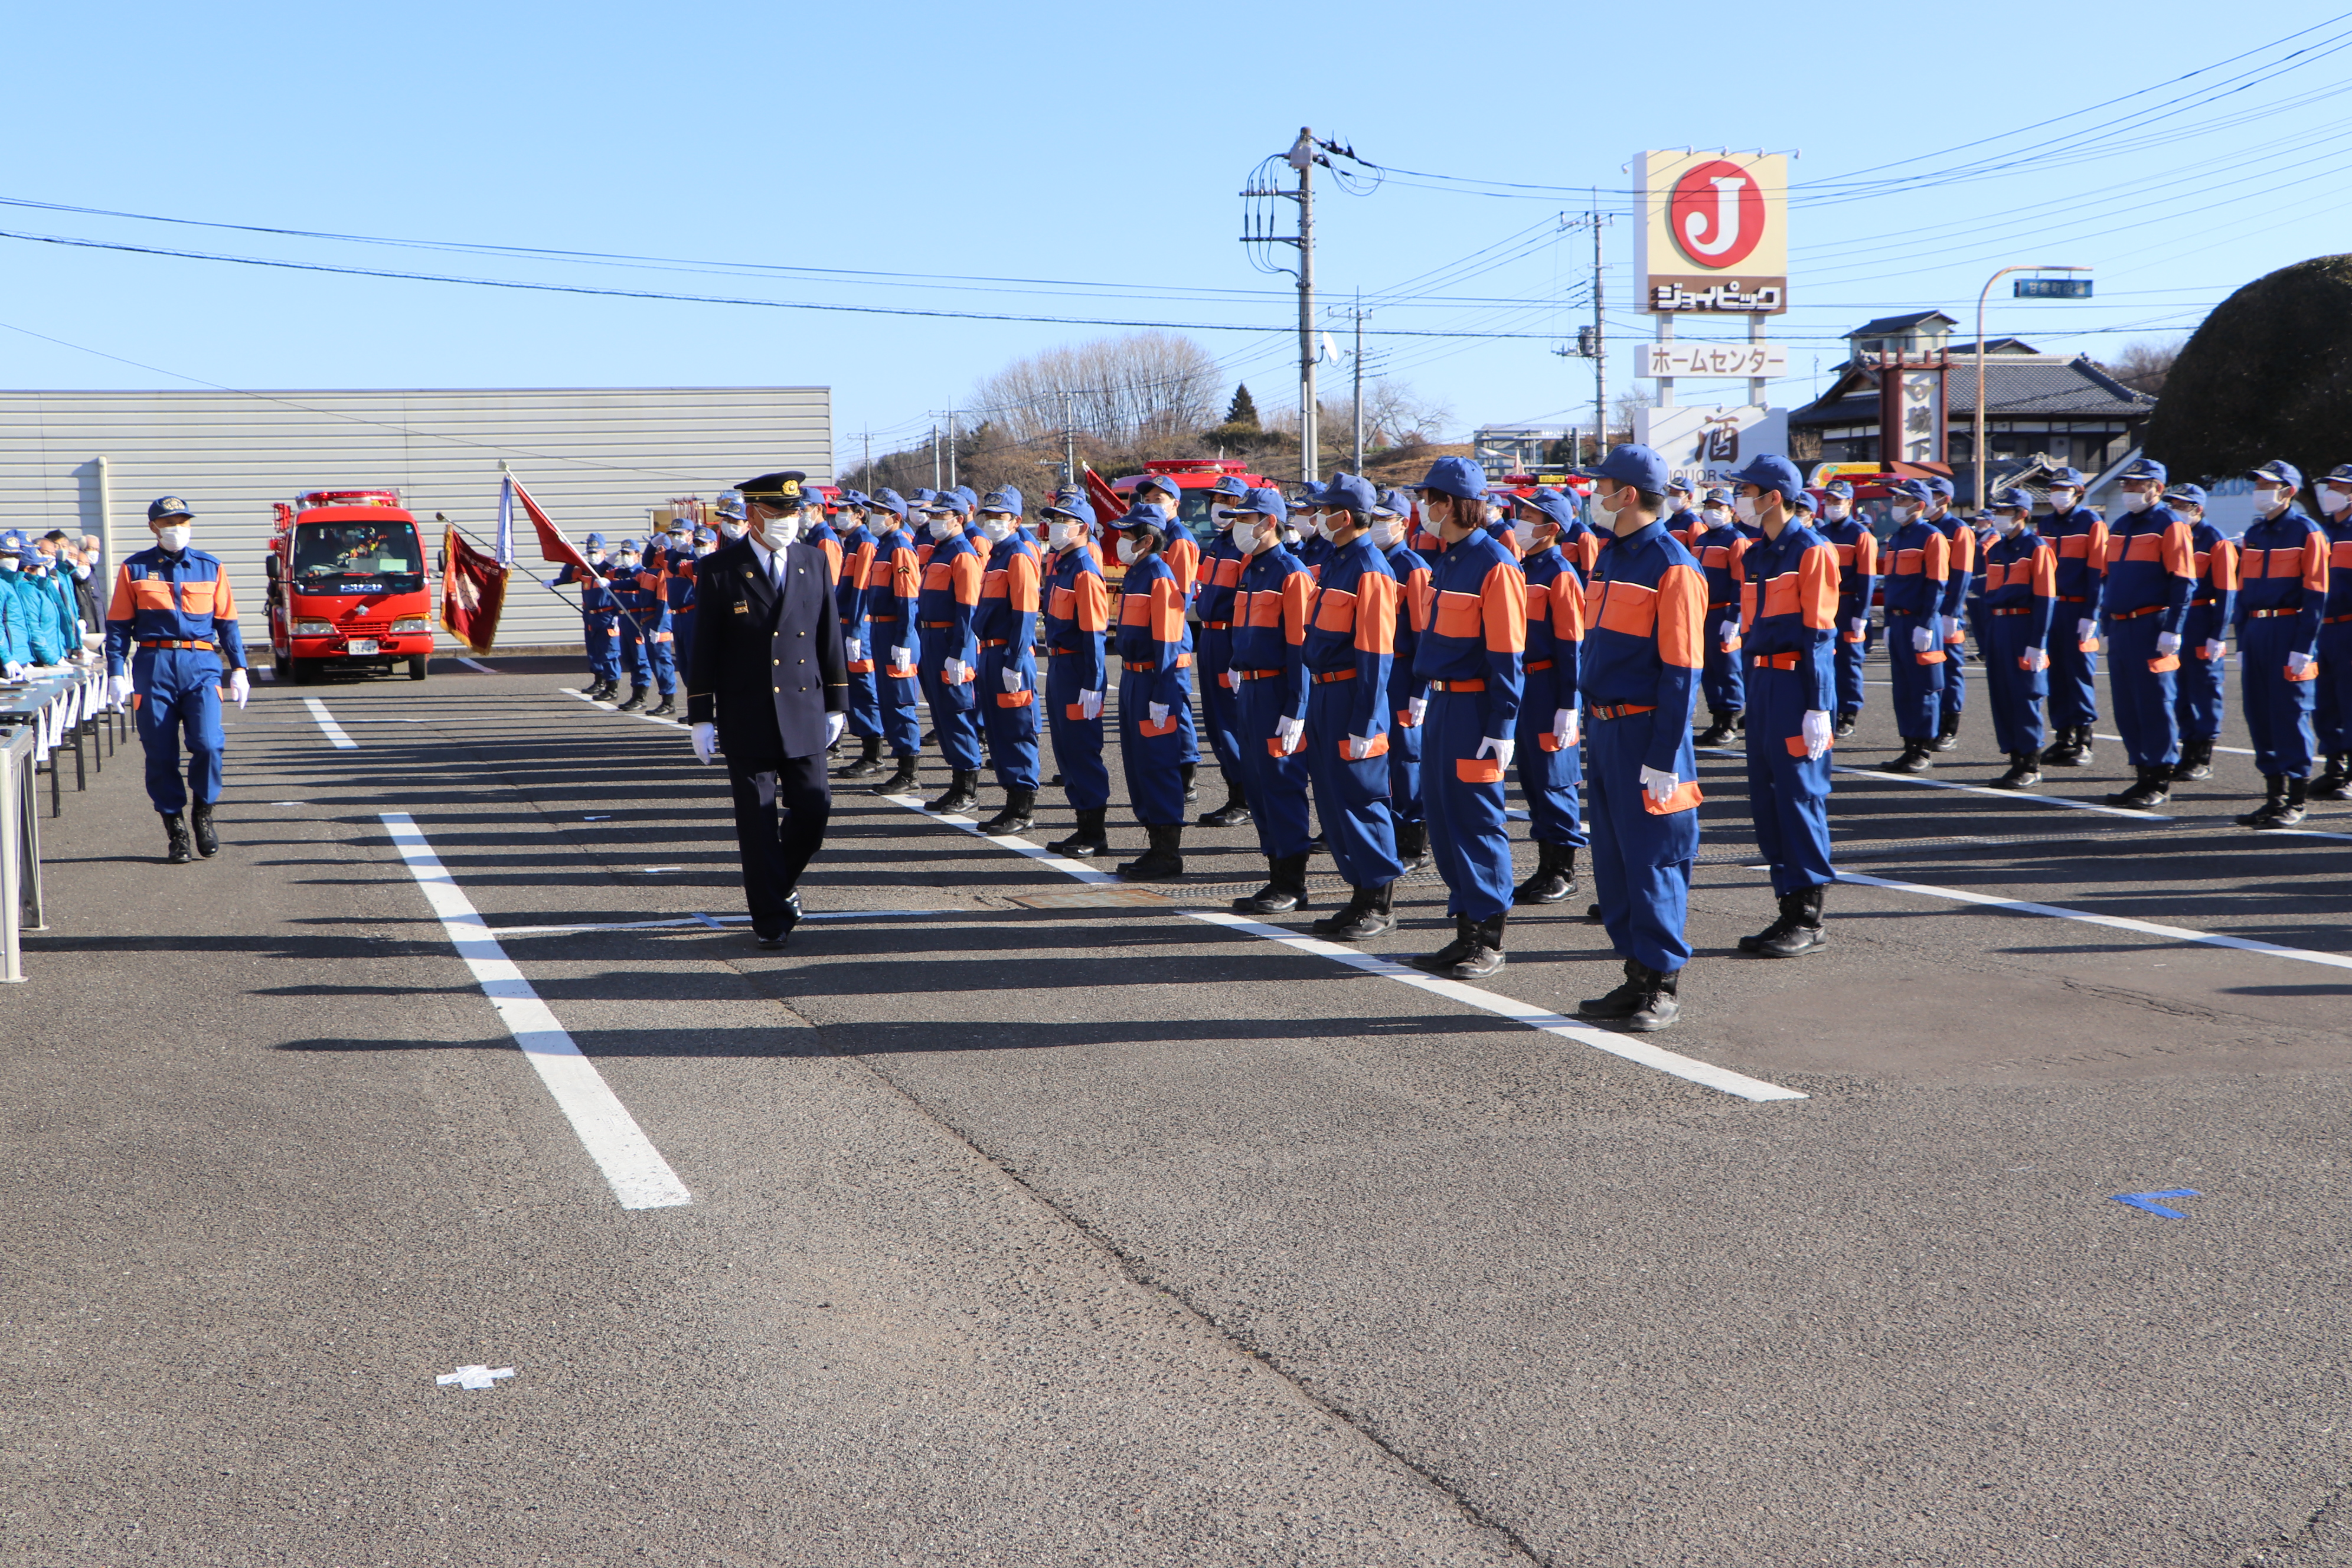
pixel 935 454
pixel 1600 341
pixel 1069 444
pixel 952 448
pixel 869 456
pixel 1302 158
pixel 1359 381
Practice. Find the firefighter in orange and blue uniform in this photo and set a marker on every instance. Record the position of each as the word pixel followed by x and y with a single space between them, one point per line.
pixel 677 563
pixel 1392 529
pixel 1155 691
pixel 1645 613
pixel 1472 655
pixel 1717 545
pixel 1078 622
pixel 1960 571
pixel 1857 552
pixel 1347 653
pixel 596 616
pixel 1005 624
pixel 1788 595
pixel 2332 714
pixel 853 597
pixel 1549 754
pixel 1916 564
pixel 1220 576
pixel 170 631
pixel 641 593
pixel 1181 551
pixel 2021 608
pixel 1269 673
pixel 2079 535
pixel 2285 573
pixel 894 586
pixel 2198 704
pixel 951 655
pixel 2149 577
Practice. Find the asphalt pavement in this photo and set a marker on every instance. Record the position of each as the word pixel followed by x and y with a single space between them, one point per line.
pixel 1009 1216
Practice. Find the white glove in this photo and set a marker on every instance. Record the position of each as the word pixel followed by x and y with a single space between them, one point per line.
pixel 706 742
pixel 853 649
pixel 902 658
pixel 1816 732
pixel 2213 648
pixel 2085 630
pixel 1661 786
pixel 240 689
pixel 2036 659
pixel 1158 713
pixel 1563 725
pixel 1012 681
pixel 1090 704
pixel 1858 626
pixel 1499 749
pixel 1416 706
pixel 1729 634
pixel 834 723
pixel 118 686
pixel 2167 644
pixel 12 670
pixel 2296 663
pixel 1923 639
pixel 1289 733
pixel 1357 748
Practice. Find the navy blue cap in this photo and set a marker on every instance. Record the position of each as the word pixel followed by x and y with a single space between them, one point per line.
pixel 2192 494
pixel 2144 469
pixel 1231 485
pixel 950 501
pixel 1937 485
pixel 2341 474
pixel 1559 508
pixel 1466 480
pixel 1840 489
pixel 2014 500
pixel 889 501
pixel 595 541
pixel 971 496
pixel 2065 476
pixel 637 544
pixel 1631 464
pixel 1916 490
pixel 1158 482
pixel 1144 514
pixel 729 504
pixel 921 498
pixel 1393 502
pixel 705 536
pixel 2277 468
pixel 1803 501
pixel 1715 496
pixel 1772 471
pixel 1004 497
pixel 1353 491
pixel 1069 503
pixel 1310 494
pixel 1268 503
pixel 163 507
pixel 1679 487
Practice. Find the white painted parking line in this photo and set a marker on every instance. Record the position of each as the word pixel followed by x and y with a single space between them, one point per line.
pixel 635 1169
pixel 1622 1045
pixel 475 664
pixel 2234 751
pixel 2118 922
pixel 327 726
pixel 610 708
pixel 2019 794
pixel 721 923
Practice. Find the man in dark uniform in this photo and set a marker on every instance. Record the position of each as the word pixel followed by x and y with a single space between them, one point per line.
pixel 770 686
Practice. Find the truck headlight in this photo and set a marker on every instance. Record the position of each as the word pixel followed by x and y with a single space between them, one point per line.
pixel 313 630
pixel 411 624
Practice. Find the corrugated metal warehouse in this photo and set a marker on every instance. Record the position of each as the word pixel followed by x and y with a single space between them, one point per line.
pixel 597 458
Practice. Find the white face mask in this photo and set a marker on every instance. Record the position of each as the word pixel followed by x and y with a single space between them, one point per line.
pixel 1714 517
pixel 1289 535
pixel 1744 508
pixel 1388 532
pixel 595 558
pixel 2267 499
pixel 2333 501
pixel 1906 513
pixel 1523 535
pixel 1835 510
pixel 2137 500
pixel 731 531
pixel 1332 523
pixel 7 563
pixel 996 530
pixel 2062 499
pixel 1260 534
pixel 1061 534
pixel 680 542
pixel 2007 523
pixel 779 532
pixel 1224 516
pixel 1127 554
pixel 628 563
pixel 173 536
pixel 944 528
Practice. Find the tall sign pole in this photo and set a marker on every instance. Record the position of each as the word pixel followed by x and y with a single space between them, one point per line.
pixel 2075 288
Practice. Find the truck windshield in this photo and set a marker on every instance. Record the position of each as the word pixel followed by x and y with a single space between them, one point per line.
pixel 358 558
pixel 1192 512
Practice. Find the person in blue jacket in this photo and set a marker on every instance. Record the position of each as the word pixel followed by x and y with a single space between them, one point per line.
pixel 1393 529
pixel 1155 691
pixel 2284 572
pixel 1350 642
pixel 2202 635
pixel 596 614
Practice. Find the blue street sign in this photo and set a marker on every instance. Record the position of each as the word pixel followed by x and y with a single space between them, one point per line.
pixel 2053 288
pixel 2148 1201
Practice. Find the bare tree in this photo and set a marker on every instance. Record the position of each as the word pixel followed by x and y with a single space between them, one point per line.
pixel 1124 392
pixel 2142 365
pixel 1623 411
pixel 1395 416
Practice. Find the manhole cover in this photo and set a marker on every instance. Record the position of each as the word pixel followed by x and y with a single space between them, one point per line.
pixel 1092 899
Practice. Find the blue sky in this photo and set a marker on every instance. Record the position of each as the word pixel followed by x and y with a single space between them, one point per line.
pixel 1102 145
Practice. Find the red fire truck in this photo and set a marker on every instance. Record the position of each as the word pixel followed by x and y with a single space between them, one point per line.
pixel 348 586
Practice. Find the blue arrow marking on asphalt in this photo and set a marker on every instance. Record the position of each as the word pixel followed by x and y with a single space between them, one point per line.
pixel 2148 1201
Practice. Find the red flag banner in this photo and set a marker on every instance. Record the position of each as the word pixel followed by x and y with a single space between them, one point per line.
pixel 553 545
pixel 1108 508
pixel 473 592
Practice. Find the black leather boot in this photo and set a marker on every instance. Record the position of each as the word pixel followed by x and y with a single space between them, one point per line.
pixel 1555 878
pixel 1914 759
pixel 2274 797
pixel 1284 889
pixel 637 703
pixel 1234 812
pixel 2331 784
pixel 1947 738
pixel 1412 846
pixel 200 817
pixel 1019 811
pixel 2290 811
pixel 1621 1002
pixel 963 792
pixel 1718 729
pixel 2153 788
pixel 2064 751
pixel 2024 770
pixel 1375 915
pixel 665 709
pixel 1186 771
pixel 1800 936
pixel 2196 762
pixel 1465 940
pixel 2086 751
pixel 1846 723
pixel 1661 1002
pixel 1486 954
pixel 1088 841
pixel 1164 861
pixel 176 848
pixel 900 782
pixel 869 762
pixel 1775 930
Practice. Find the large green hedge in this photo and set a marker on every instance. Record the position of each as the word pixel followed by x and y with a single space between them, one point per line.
pixel 2268 375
